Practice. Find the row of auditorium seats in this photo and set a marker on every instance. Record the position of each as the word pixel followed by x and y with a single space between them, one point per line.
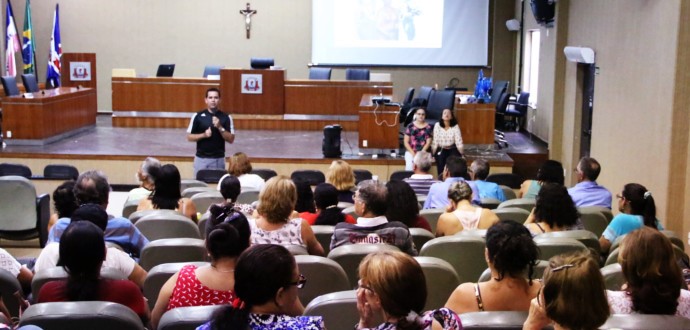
pixel 50 172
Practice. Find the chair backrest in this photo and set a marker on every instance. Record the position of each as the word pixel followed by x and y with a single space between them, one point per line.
pixel 264 173
pixel 508 192
pixel 212 70
pixel 187 183
pixel 58 273
pixel 469 264
pixel 603 210
pixel 338 309
pixel 523 203
pixel 102 315
pixel 523 99
pixel 489 203
pixel 586 237
pixel 210 175
pixel 438 101
pixel 186 318
pixel 424 94
pixel 191 191
pixel 506 179
pixel 613 276
pixel 323 235
pixel 674 238
pixel 261 62
pixel 646 321
pixel 512 213
pixel 432 215
pixel 160 274
pixel 160 226
pixel 420 236
pixel 350 210
pixel 508 320
pixel 323 276
pixel 593 220
pixel 130 207
pixel 537 272
pixel 202 201
pixel 349 256
pixel 553 246
pixel 409 96
pixel 296 250
pixel 135 216
pixel 400 175
pixel 15 169
pixel 356 74
pixel 500 87
pixel 362 175
pixel 17 204
pixel 60 172
pixel 441 280
pixel 8 286
pixel 313 177
pixel 172 250
pixel 165 70
pixel 30 83
pixel 248 196
pixel 9 84
pixel 612 258
pixel 317 73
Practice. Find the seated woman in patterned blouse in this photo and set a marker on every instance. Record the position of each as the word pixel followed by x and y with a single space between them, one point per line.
pixel 227 236
pixel 392 285
pixel 266 283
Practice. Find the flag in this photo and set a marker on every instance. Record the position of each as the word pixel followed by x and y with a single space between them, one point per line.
pixel 28 50
pixel 12 42
pixel 53 72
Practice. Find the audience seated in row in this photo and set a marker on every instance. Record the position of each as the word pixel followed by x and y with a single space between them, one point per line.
pixel 455 170
pixel 227 236
pixel 461 214
pixel 147 184
pixel 326 206
pixel 421 180
pixel 372 225
pixel 587 192
pixel 479 170
pixel 554 211
pixel 115 258
pixel 240 166
pixel 93 187
pixel 551 171
pixel 402 205
pixel 273 225
pixel 342 177
pixel 166 193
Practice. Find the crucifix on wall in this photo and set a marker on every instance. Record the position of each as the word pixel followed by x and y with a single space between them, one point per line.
pixel 248 12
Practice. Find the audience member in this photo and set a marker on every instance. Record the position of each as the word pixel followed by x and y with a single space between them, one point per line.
pixel 342 177
pixel 511 254
pixel 166 194
pixel 273 224
pixel 266 284
pixel 372 225
pixel 572 295
pixel 305 197
pixel 227 237
pixel 479 170
pixel 21 272
pixel 461 214
pixel 327 211
pixel 447 141
pixel 550 171
pixel 417 137
pixel 403 205
pixel 82 253
pixel 653 278
pixel 64 202
pixel 392 284
pixel 145 178
pixel 554 211
pixel 240 166
pixel 421 180
pixel 455 170
pixel 587 192
pixel 230 189
pixel 93 187
pixel 637 208
pixel 114 259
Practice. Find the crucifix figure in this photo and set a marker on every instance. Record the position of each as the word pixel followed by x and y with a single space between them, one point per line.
pixel 248 12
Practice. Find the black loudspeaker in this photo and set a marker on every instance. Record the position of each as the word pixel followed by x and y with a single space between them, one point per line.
pixel 544 11
pixel 331 141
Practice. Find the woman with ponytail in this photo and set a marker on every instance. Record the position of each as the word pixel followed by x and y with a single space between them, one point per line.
pixel 653 278
pixel 392 286
pixel 266 283
pixel 227 236
pixel 327 211
pixel 511 255
pixel 637 208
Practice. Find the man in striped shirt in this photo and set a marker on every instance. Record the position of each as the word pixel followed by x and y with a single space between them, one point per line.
pixel 421 180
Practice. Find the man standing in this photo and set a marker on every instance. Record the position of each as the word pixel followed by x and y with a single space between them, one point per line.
pixel 210 129
pixel 587 192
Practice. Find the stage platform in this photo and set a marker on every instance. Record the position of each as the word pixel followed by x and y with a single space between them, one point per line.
pixel 118 151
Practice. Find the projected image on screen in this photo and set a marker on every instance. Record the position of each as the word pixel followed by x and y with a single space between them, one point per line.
pixel 388 23
pixel 400 32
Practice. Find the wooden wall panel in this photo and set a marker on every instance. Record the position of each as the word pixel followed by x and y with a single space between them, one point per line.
pixel 330 97
pixel 161 94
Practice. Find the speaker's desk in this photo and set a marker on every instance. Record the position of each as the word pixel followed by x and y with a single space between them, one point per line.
pixel 477 122
pixel 378 124
pixel 43 117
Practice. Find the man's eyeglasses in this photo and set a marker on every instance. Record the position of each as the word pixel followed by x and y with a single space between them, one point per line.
pixel 300 282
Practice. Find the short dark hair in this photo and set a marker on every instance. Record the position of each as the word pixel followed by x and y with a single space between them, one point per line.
pixel 92 187
pixel 230 187
pixel 457 167
pixel 213 89
pixel 82 252
pixel 166 194
pixel 480 168
pixel 590 168
pixel 305 197
pixel 374 196
pixel 551 171
pixel 402 203
pixel 511 249
pixel 326 199
pixel 92 213
pixel 555 206
pixel 64 200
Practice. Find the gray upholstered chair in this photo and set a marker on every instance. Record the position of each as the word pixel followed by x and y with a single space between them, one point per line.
pixel 186 318
pixel 9 284
pixel 159 226
pixel 523 203
pixel 490 203
pixel 349 256
pixel 23 215
pixel 493 320
pixel 338 309
pixel 554 246
pixel 646 321
pixel 191 191
pixel 296 250
pixel 603 210
pixel 130 207
pixel 203 200
pixel 508 192
pixel 593 220
pixel 586 237
pixel 464 252
pixel 441 280
pixel 99 315
pixel 420 236
pixel 432 215
pixel 323 276
pixel 169 250
pixel 512 213
pixel 187 183
pixel 323 235
pixel 248 196
pixel 613 276
pixel 538 271
pixel 137 215
pixel 473 232
pixel 160 274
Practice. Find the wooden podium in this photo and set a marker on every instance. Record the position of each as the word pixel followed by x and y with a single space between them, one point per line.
pixel 253 92
pixel 378 124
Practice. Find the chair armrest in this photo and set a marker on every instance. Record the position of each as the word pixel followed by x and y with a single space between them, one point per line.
pixel 42 217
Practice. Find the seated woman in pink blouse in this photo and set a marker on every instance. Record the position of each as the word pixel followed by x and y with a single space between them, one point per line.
pixel 447 139
pixel 417 137
pixel 653 278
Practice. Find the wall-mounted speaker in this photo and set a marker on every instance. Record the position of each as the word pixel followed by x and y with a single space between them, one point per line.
pixel 579 54
pixel 513 25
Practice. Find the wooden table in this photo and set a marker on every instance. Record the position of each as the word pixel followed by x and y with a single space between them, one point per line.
pixel 378 124
pixel 49 113
pixel 477 122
